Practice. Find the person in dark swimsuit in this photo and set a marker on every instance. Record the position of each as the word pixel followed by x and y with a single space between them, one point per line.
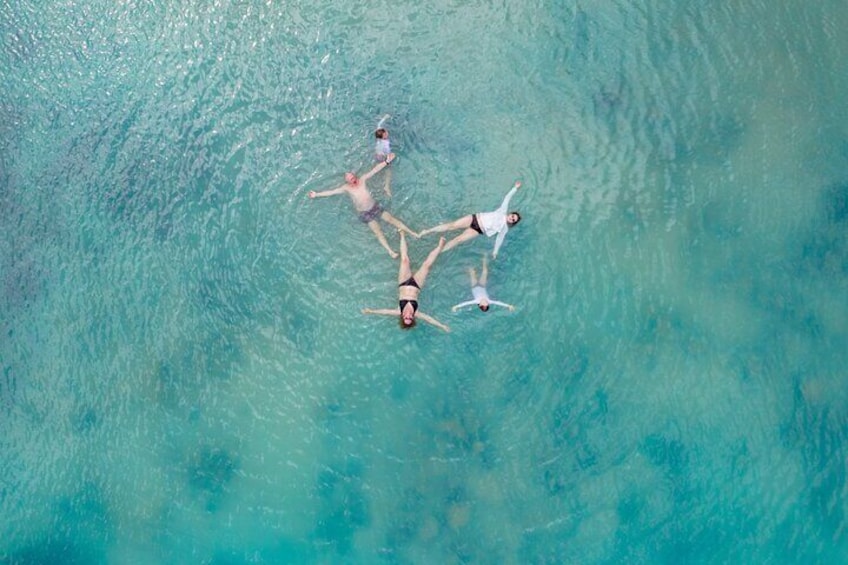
pixel 409 286
pixel 371 214
pixel 368 209
pixel 475 224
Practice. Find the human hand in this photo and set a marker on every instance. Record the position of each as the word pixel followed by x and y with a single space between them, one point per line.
pixel 511 308
pixel 390 157
pixel 454 308
pixel 312 194
pixel 366 310
pixel 517 184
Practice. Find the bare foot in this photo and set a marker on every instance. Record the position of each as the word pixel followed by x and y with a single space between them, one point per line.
pixel 393 254
pixel 442 241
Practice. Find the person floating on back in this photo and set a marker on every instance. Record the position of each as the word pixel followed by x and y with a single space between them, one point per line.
pixel 409 286
pixel 478 290
pixel 490 223
pixel 369 209
pixel 382 149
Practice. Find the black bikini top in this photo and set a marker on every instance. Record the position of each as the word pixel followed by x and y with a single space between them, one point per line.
pixel 402 303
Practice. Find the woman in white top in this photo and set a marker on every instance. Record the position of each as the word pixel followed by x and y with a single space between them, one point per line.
pixel 478 290
pixel 492 223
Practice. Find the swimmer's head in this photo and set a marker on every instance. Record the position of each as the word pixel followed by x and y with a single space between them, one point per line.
pixel 381 133
pixel 484 305
pixel 513 218
pixel 350 178
pixel 407 322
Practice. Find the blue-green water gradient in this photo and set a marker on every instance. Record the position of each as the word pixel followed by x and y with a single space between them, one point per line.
pixel 186 374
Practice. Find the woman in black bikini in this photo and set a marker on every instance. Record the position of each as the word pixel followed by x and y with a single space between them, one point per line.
pixel 409 286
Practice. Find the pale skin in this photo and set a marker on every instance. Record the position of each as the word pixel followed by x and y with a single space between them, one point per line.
pixel 464 223
pixel 407 292
pixel 387 184
pixel 484 278
pixel 362 200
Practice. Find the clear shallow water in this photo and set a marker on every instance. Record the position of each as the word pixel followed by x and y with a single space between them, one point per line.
pixel 186 375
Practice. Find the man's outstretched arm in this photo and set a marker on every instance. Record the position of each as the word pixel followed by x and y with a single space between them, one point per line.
pixel 339 190
pixel 378 167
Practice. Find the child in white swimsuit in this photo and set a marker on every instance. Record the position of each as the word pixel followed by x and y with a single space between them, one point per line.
pixel 381 150
pixel 478 291
pixel 383 147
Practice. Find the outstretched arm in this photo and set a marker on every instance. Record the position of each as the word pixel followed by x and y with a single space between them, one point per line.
pixel 333 192
pixel 382 311
pixel 509 196
pixel 463 305
pixel 504 304
pixel 499 241
pixel 378 167
pixel 432 321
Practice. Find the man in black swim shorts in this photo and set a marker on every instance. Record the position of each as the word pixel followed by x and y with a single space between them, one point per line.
pixel 369 210
pixel 372 214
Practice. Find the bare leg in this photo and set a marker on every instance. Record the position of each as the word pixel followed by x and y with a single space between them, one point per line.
pixel 398 224
pixel 472 274
pixel 404 272
pixel 461 238
pixel 387 184
pixel 463 222
pixel 484 276
pixel 378 231
pixel 424 270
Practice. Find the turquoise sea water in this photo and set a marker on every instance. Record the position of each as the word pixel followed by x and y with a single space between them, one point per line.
pixel 186 375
